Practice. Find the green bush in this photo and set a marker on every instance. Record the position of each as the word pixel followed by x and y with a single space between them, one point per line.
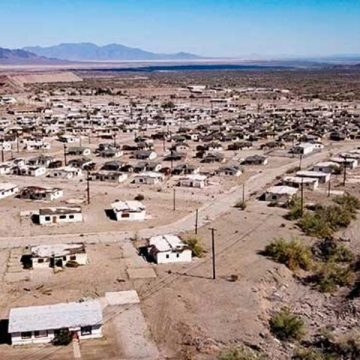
pixel 195 246
pixel 313 225
pixel 287 326
pixel 330 276
pixel 292 253
pixel 295 211
pixel 331 250
pixel 240 353
pixel 348 201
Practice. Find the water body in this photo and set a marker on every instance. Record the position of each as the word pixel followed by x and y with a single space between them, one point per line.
pixel 197 67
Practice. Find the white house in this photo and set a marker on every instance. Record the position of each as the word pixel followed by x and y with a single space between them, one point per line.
pixel 194 181
pixel 30 170
pixel 68 139
pixel 60 215
pixel 148 178
pixel 321 176
pixel 168 249
pixel 44 256
pixel 39 193
pixel 328 167
pixel 66 172
pixel 306 148
pixel 8 189
pixel 108 176
pixel 129 210
pixel 297 182
pixel 280 194
pixel 41 324
pixel 350 163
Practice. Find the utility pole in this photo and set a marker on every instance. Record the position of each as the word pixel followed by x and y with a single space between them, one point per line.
pixel 329 188
pixel 196 221
pixel 345 168
pixel 2 153
pixel 174 200
pixel 88 187
pixel 114 137
pixel 300 165
pixel 65 153
pixel 302 197
pixel 213 252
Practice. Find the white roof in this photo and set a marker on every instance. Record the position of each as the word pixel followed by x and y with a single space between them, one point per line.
pixel 310 173
pixel 299 180
pixel 63 315
pixel 280 190
pixel 151 174
pixel 167 242
pixel 56 249
pixel 327 164
pixel 194 177
pixel 7 186
pixel 128 205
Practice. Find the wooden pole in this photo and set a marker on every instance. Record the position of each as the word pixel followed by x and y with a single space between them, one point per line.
pixel 196 221
pixel 213 253
pixel 302 197
pixel 174 200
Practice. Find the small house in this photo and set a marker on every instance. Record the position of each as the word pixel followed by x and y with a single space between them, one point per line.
pixel 42 324
pixel 8 189
pixel 194 181
pixel 165 249
pixel 60 215
pixel 321 176
pixel 149 178
pixel 39 193
pixel 280 194
pixel 129 210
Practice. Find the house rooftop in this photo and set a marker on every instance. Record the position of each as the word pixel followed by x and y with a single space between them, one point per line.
pixel 57 250
pixel 63 315
pixel 132 205
pixel 167 243
pixel 60 210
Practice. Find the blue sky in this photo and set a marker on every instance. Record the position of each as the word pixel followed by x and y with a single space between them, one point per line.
pixel 206 27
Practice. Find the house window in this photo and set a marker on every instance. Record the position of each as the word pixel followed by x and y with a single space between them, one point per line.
pixel 62 217
pixel 40 261
pixel 177 255
pixel 73 257
pixel 86 330
pixel 125 215
pixel 40 334
pixel 26 335
pixel 71 216
pixel 47 218
pixel 167 256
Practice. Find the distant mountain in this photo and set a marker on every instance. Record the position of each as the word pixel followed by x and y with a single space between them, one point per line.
pixel 23 57
pixel 112 52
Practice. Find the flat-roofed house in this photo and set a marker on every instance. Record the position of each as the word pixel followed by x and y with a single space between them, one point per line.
pixel 350 163
pixel 67 172
pixel 8 189
pixel 328 167
pixel 297 182
pixel 41 324
pixel 108 176
pixel 39 193
pixel 168 249
pixel 44 256
pixel 148 178
pixel 129 210
pixel 230 170
pixel 255 160
pixel 321 176
pixel 60 215
pixel 194 181
pixel 280 194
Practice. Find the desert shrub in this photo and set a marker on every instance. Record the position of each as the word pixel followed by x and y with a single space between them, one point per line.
pixel 240 353
pixel 139 197
pixel 331 250
pixel 287 326
pixel 240 205
pixel 348 346
pixel 63 338
pixel 292 253
pixel 295 211
pixel 313 225
pixel 350 202
pixel 195 246
pixel 329 276
pixel 310 354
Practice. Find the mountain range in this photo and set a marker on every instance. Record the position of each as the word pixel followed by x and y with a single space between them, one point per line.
pixel 22 57
pixel 111 52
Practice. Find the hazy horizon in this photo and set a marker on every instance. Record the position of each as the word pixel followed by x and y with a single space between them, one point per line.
pixel 209 28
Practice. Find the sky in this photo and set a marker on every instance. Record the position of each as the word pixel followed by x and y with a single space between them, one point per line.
pixel 216 28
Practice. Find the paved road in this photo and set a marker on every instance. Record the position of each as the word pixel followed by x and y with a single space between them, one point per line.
pixel 207 213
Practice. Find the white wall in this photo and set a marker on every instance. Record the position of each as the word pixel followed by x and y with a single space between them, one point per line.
pixel 172 257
